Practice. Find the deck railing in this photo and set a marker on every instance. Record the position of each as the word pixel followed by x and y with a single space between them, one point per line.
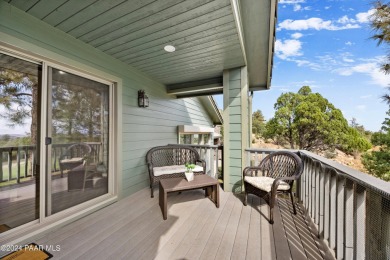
pixel 212 154
pixel 18 160
pixel 350 209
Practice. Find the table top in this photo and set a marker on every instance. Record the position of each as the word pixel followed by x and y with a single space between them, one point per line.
pixel 179 184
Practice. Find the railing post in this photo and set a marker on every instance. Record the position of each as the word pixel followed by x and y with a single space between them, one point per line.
pixel 216 162
pixel 33 168
pixel 349 220
pixel 10 164
pixel 26 162
pixel 248 159
pixel 256 160
pixel 360 223
pixel 307 185
pixel 303 180
pixel 327 205
pixel 321 188
pixel 340 218
pixel 55 158
pixel 222 165
pixel 211 161
pixel 18 164
pixel 1 165
pixel 333 209
pixel 317 172
pixel 312 190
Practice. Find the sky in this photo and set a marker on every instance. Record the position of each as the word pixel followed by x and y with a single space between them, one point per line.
pixel 325 44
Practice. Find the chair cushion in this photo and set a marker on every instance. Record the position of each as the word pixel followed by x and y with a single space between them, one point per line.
pixel 158 171
pixel 265 183
pixel 73 160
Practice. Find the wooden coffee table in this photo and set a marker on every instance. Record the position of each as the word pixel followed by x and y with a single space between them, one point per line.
pixel 211 186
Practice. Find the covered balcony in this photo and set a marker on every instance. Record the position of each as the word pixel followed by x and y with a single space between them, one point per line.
pixel 103 54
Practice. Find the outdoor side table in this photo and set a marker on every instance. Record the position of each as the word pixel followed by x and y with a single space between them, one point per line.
pixel 210 185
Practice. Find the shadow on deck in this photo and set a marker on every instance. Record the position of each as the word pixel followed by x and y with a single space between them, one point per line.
pixel 133 228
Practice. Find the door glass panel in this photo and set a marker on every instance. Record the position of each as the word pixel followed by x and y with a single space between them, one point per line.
pixel 79 129
pixel 20 94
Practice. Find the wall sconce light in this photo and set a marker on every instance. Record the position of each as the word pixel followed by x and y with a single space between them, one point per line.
pixel 143 100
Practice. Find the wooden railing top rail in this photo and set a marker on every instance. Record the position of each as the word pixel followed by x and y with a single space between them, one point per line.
pixel 200 145
pixel 33 145
pixel 268 150
pixel 363 179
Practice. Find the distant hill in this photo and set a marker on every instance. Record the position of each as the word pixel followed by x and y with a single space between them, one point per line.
pixel 12 136
pixel 338 156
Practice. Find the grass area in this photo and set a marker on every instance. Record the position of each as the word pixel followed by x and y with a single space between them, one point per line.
pixel 22 169
pixel 14 170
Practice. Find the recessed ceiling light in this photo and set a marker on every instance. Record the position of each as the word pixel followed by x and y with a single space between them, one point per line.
pixel 61 72
pixel 169 48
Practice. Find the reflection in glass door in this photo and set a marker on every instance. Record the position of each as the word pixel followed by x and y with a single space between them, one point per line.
pixel 78 126
pixel 20 96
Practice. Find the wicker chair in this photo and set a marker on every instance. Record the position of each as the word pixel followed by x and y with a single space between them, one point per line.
pixel 171 155
pixel 275 174
pixel 74 156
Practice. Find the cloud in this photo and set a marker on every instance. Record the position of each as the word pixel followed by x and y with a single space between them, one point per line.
pixel 346 20
pixel 348 59
pixel 369 68
pixel 291 1
pixel 297 8
pixel 349 43
pixel 327 7
pixel 361 107
pixel 365 16
pixel 288 48
pixel 314 23
pixel 296 35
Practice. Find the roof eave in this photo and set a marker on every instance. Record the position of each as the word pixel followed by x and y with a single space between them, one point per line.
pixel 258 23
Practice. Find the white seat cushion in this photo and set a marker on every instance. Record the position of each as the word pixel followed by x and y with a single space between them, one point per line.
pixel 265 183
pixel 72 160
pixel 158 171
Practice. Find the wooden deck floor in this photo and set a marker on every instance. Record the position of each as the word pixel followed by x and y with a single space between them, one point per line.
pixel 133 228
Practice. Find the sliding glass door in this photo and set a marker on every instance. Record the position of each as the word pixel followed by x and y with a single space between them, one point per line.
pixel 79 124
pixel 54 140
pixel 20 101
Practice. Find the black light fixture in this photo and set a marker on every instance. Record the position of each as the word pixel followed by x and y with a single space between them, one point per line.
pixel 143 100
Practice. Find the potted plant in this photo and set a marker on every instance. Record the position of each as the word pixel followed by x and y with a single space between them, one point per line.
pixel 189 174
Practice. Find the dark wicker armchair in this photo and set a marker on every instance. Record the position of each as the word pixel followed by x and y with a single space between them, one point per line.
pixel 275 174
pixel 74 156
pixel 171 155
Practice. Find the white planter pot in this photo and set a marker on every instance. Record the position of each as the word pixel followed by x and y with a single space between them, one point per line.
pixel 189 176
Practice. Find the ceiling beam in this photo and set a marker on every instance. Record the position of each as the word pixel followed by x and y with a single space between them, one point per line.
pixel 196 88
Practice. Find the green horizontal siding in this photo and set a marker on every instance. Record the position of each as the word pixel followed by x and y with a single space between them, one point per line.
pixel 236 101
pixel 235 128
pixel 235 136
pixel 235 92
pixel 235 75
pixel 235 154
pixel 235 110
pixel 235 84
pixel 235 119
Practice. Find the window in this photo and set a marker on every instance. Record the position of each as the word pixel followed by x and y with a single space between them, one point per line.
pixel 195 135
